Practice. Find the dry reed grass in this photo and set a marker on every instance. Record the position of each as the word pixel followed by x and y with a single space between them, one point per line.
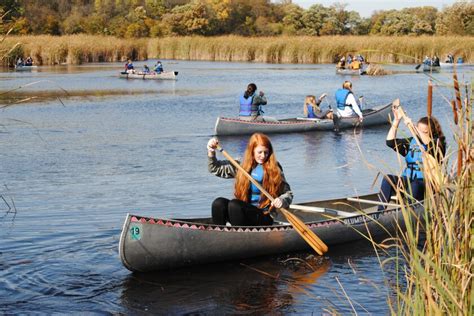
pixel 77 49
pixel 436 261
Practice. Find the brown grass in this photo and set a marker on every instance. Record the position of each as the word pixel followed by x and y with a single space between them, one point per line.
pixel 77 49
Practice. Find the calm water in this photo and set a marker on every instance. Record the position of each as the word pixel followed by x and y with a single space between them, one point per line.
pixel 88 147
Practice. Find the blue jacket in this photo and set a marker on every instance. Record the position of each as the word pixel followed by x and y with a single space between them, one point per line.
pixel 341 97
pixel 414 160
pixel 246 106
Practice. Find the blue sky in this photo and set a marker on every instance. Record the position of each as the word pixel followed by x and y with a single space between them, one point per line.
pixel 366 7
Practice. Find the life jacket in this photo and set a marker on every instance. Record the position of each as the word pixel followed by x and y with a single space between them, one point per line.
pixel 414 160
pixel 341 97
pixel 310 109
pixel 246 106
pixel 356 64
pixel 257 174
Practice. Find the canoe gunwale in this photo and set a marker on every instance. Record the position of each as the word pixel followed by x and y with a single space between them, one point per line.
pixel 195 225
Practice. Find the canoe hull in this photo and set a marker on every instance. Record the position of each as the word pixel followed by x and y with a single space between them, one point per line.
pixel 428 68
pixel 26 68
pixel 167 75
pixel 233 126
pixel 148 244
pixel 351 72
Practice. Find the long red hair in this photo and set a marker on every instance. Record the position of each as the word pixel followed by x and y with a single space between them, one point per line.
pixel 272 179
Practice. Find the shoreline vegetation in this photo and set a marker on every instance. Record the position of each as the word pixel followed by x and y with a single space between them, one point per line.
pixel 79 49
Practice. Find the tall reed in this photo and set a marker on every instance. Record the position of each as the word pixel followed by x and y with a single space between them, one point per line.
pixel 437 249
pixel 76 49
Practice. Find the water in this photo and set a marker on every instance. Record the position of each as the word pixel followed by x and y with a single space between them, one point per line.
pixel 87 147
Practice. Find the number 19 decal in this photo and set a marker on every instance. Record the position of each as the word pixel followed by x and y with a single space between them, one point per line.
pixel 135 233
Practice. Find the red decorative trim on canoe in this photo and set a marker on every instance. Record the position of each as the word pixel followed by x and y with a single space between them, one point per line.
pixel 295 122
pixel 212 227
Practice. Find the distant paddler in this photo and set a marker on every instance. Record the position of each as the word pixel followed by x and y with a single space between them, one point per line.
pixel 251 104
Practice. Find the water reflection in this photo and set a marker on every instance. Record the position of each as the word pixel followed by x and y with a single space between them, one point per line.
pixel 257 286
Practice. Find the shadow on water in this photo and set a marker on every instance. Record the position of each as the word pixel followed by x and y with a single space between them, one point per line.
pixel 263 286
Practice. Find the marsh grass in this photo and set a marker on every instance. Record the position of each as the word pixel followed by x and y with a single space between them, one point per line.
pixel 77 49
pixel 435 252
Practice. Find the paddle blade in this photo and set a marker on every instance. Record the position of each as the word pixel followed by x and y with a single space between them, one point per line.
pixel 317 244
pixel 418 66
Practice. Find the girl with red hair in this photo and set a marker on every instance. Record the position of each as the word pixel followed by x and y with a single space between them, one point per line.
pixel 249 206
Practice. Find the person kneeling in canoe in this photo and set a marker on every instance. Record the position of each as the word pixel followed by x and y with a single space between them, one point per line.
pixel 431 136
pixel 251 104
pixel 312 110
pixel 250 207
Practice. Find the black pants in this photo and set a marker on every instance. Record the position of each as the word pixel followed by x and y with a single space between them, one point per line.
pixel 415 187
pixel 238 213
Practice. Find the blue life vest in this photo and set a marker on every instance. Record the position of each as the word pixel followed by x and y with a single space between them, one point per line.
pixel 341 97
pixel 130 66
pixel 246 106
pixel 414 161
pixel 310 111
pixel 257 174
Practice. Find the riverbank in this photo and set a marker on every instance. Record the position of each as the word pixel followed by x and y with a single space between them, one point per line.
pixel 78 49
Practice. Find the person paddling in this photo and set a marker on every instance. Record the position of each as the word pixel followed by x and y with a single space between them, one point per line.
pixel 347 105
pixel 312 110
pixel 432 139
pixel 250 207
pixel 251 104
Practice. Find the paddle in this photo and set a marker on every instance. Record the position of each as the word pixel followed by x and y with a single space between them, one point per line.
pixel 317 244
pixel 418 66
pixel 431 167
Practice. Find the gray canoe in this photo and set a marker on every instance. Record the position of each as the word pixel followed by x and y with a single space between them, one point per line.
pixel 25 68
pixel 233 126
pixel 351 72
pixel 148 244
pixel 167 75
pixel 429 68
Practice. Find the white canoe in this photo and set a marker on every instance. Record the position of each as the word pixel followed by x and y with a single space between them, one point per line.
pixel 167 75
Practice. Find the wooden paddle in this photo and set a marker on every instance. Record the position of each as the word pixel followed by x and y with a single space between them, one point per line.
pixel 431 166
pixel 317 244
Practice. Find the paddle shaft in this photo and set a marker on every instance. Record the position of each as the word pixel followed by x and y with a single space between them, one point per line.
pixel 309 236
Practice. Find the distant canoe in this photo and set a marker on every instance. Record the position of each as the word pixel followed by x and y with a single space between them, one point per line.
pixel 25 68
pixel 430 68
pixel 351 72
pixel 448 65
pixel 167 75
pixel 233 126
pixel 148 244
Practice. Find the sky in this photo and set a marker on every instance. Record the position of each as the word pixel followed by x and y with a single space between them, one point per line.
pixel 366 7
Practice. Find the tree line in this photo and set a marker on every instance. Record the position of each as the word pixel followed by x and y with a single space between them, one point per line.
pixel 157 18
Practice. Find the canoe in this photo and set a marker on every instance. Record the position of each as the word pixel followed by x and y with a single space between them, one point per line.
pixel 25 68
pixel 167 75
pixel 234 126
pixel 429 68
pixel 351 72
pixel 148 243
pixel 447 65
